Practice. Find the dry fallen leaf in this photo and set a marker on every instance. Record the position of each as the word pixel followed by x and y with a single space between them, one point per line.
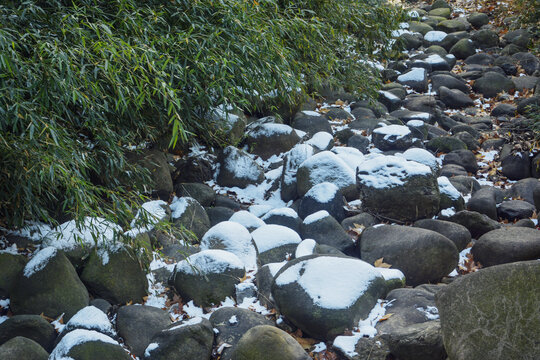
pixel 381 264
pixel 385 317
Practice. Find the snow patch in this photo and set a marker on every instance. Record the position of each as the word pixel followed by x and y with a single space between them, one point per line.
pixel 306 247
pixel 209 262
pixel 321 140
pixel 388 171
pixel 446 188
pixel 39 261
pixel 323 192
pixel 316 217
pixel 77 337
pixel 271 236
pixel 246 219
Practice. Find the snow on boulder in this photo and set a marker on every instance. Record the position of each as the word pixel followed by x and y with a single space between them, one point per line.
pixel 283 216
pixel 90 318
pixel 247 219
pixel 150 214
pixel 392 137
pixel 398 189
pixel 326 167
pixel 208 277
pixel 88 344
pixel 187 213
pixel 325 295
pixel 271 139
pixel 450 196
pixel 351 156
pixel 416 78
pixel 233 237
pixel 422 156
pixel 321 141
pixel 323 196
pixel 238 169
pixel 434 37
pixel 310 247
pixel 292 161
pixel 274 243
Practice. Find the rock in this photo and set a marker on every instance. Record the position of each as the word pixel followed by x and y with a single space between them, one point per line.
pixel 411 41
pixel 449 196
pixel 392 137
pixel 271 139
pixel 291 163
pixel 437 4
pixel 452 26
pixel 459 234
pixel 265 278
pixel 418 341
pixel 89 318
pixel 310 247
pixel 10 266
pixel 247 219
pixel 416 78
pixel 138 324
pixel 361 113
pixel 507 245
pixel 311 122
pixel 323 196
pixel 283 216
pixel 422 156
pixel 480 59
pixel 516 166
pixel 155 161
pixel 422 28
pixel 445 144
pixel 363 219
pixel 22 348
pixel 452 170
pixel 515 209
pixel 203 193
pixel 232 323
pixel 463 158
pixel 484 201
pixel 386 181
pixel 359 142
pixel 485 314
pixel 326 167
pixel 525 189
pixel 391 101
pixel 48 284
pixel 238 169
pixel 366 348
pixel 274 242
pixel 491 84
pixel 463 48
pixel 449 82
pixel 326 230
pixel 524 105
pixel 528 61
pixel 478 224
pixel 188 340
pixel 485 39
pixel 102 305
pixel 523 83
pixel 208 277
pixel 188 214
pixel 465 184
pixel 421 103
pixel 304 293
pixel 468 139
pixel 32 327
pixel 321 141
pixel 233 125
pixel 477 19
pixel 266 342
pixel 442 12
pixel 100 275
pixel 194 169
pixel 422 255
pixel 434 37
pixel 88 344
pixel 218 214
pixel 454 98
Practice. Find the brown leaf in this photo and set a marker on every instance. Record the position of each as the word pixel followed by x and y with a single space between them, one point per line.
pixel 385 317
pixel 381 264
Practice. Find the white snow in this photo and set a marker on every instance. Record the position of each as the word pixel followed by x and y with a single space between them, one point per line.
pixel 319 347
pixel 421 156
pixel 91 318
pixel 150 348
pixel 327 166
pixel 430 312
pixel 448 212
pixel 4 303
pixel 74 338
pixel 93 230
pixel 260 210
pixel 321 140
pixel 233 320
pixel 446 187
pixel 435 36
pixel 284 211
pixel 268 237
pixel 393 132
pixel 306 247
pixel 10 250
pixel 32 230
pixel 388 171
pixel 246 219
pixel 295 157
pixel 311 113
pixel 275 267
pixel 332 283
pixel 434 59
pixel 193 321
pixel 416 123
pixel 416 74
pixel 269 129
pixel 179 206
pixel 3 318
pixel 209 262
pixel 351 156
pixel 390 274
pixel 323 192
pixel 39 261
pixel 240 164
pixel 234 238
pixel 316 217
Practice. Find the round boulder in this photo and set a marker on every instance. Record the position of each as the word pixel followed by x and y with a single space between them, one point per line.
pixel 460 236
pixel 323 196
pixel 392 137
pixel 274 242
pixel 271 139
pixel 88 344
pixel 187 213
pixel 19 348
pixel 238 169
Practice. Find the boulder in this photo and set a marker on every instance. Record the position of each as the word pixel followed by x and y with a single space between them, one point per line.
pixel 203 193
pixel 459 234
pixel 266 342
pixel 10 266
pixel 188 340
pixel 515 210
pixel 292 161
pixel 416 78
pixel 283 216
pixel 311 122
pixel 463 48
pixel 478 224
pixel 304 291
pixel 32 327
pixel 208 277
pixel 274 242
pixel 218 214
pixel 422 255
pixel 516 166
pixel 449 196
pixel 464 158
pixel 238 169
pixel 478 19
pixel 271 139
pixel 88 344
pixel 187 213
pixel 454 98
pixel 395 188
pixel 89 318
pixel 485 39
pixel 138 324
pixel 247 219
pixel 326 230
pixel 323 196
pixel 48 285
pixel 22 348
pixel 321 141
pixel 100 275
pixel 449 82
pixel 445 144
pixel 392 137
pixel 155 161
pixel 485 314
pixel 509 244
pixel 492 83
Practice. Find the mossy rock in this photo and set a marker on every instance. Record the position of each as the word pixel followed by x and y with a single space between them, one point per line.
pixel 446 144
pixel 119 280
pixel 441 12
pixel 10 266
pixel 21 348
pixel 194 218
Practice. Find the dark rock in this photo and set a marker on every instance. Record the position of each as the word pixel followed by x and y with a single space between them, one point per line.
pixel 218 214
pixel 188 214
pixel 88 344
pixel 225 201
pixel 478 19
pixel 102 305
pixel 504 110
pixel 421 103
pixel 391 101
pixel 274 242
pixel 360 113
pixel 478 224
pixel 484 201
pixel 442 12
pixel 448 81
pixel 515 210
pixel 324 196
pixel 310 123
pixel 359 142
pixel 422 28
pixel 480 59
pixel 326 230
pixel 19 348
pixel 193 170
pixel 416 78
pixel 155 161
pixel 271 139
pixel 459 234
pixel 364 219
pixel 468 139
pixel 285 217
pixel 526 106
pixel 392 137
pixel 411 41
pixel 203 193
pixel 32 327
pixel 463 48
pixel 454 98
pixel 528 61
pixel 238 169
pixel 465 184
pixel 10 266
pixel 292 162
pixel 452 170
pixel 484 314
pixel 463 158
pixel 485 39
pixel 491 84
pixel 445 144
pixel 516 166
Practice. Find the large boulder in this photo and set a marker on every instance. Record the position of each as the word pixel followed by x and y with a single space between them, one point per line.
pixel 48 285
pixel 484 315
pixel 271 139
pixel 326 230
pixel 236 168
pixel 19 348
pixel 305 293
pixel 326 167
pixel 422 255
pixel 460 236
pixel 266 342
pixel 395 188
pixel 101 276
pixel 506 245
pixel 10 266
pixel 187 213
pixel 292 161
pixel 323 196
pixel 32 327
pixel 274 242
pixel 208 277
pixel 492 83
pixel 83 344
pixel 188 340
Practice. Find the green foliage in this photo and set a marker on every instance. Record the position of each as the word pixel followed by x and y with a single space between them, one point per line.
pixel 81 80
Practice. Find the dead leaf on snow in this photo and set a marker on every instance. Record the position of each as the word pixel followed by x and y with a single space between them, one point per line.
pixel 381 264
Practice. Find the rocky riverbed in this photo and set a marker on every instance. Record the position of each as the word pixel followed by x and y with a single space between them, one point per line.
pixel 400 229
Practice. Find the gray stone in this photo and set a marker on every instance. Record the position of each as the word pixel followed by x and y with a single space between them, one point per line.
pixel 10 266
pixel 21 348
pixel 465 184
pixel 454 98
pixel 463 48
pixel 218 214
pixel 459 234
pixel 326 230
pixel 478 224
pixel 516 166
pixel 484 201
pixel 515 210
pixel 311 124
pixel 274 242
pixel 32 327
pixel 324 196
pixel 478 19
pixel 84 344
pixel 416 78
pixel 155 161
pixel 291 163
pixel 485 39
pixel 238 169
pixel 448 81
pixel 271 139
pixel 203 193
pixel 445 144
pixel 491 84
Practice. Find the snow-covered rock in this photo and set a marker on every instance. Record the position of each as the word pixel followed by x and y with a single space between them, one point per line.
pixel 275 242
